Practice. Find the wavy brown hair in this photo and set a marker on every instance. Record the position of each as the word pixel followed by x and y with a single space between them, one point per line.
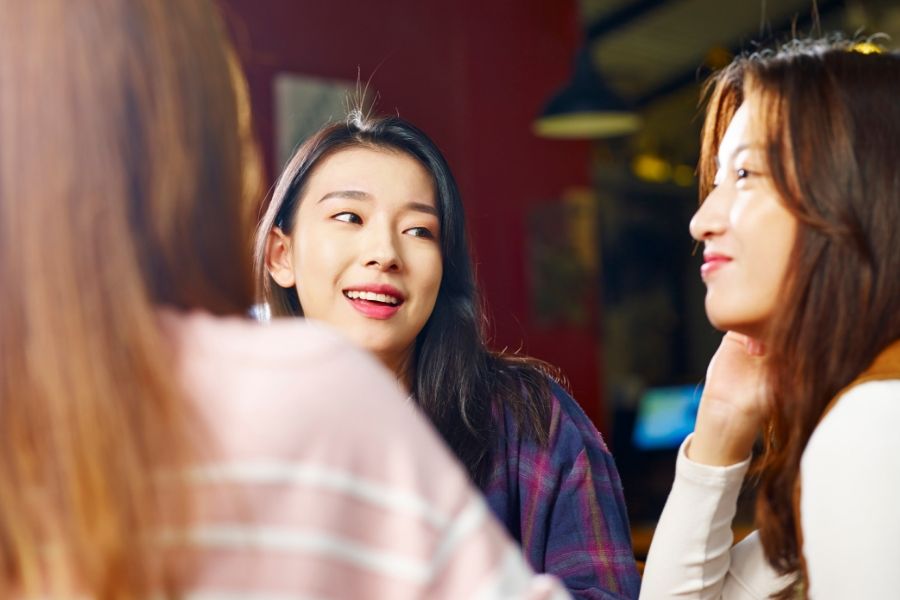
pixel 125 170
pixel 829 119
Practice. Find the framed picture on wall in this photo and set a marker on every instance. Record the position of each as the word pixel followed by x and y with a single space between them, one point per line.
pixel 303 104
pixel 562 259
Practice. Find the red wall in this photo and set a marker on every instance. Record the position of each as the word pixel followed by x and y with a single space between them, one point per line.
pixel 472 74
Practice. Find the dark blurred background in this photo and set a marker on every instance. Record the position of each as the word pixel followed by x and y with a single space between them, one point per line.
pixel 581 241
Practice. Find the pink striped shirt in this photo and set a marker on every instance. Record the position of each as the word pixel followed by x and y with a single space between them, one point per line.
pixel 322 482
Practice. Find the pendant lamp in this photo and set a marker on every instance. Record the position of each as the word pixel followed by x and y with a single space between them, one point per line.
pixel 586 108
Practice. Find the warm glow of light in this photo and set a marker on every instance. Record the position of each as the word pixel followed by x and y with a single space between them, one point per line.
pixel 587 125
pixel 651 168
pixel 866 48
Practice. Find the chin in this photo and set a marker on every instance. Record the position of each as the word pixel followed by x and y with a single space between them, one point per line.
pixel 750 328
pixel 384 349
pixel 726 319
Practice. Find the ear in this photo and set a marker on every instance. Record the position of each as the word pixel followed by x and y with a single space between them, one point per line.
pixel 278 258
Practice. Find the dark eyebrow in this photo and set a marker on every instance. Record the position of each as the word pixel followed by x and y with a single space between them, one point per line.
pixel 351 194
pixel 422 207
pixel 358 195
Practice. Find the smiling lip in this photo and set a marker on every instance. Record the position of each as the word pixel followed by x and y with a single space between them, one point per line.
pixel 712 262
pixel 374 309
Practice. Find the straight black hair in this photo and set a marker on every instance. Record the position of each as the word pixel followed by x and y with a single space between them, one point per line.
pixel 460 384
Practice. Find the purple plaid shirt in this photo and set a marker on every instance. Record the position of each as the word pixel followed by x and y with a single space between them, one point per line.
pixel 563 503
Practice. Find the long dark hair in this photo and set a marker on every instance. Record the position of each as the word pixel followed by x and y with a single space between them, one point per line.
pixel 829 119
pixel 456 379
pixel 126 183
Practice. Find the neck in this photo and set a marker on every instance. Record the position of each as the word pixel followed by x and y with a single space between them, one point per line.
pixel 401 366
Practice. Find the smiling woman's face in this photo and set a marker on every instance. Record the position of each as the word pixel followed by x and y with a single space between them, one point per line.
pixel 748 234
pixel 364 254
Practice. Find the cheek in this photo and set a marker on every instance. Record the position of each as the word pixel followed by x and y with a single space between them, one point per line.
pixel 773 241
pixel 429 283
pixel 765 231
pixel 766 235
pixel 316 250
pixel 778 261
pixel 435 284
pixel 435 270
pixel 742 217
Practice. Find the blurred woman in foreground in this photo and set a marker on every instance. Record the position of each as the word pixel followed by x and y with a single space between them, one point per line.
pixel 153 441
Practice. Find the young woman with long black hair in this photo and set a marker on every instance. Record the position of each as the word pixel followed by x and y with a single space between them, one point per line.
pixel 365 231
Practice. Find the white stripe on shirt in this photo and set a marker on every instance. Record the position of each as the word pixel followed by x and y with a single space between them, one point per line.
pixel 232 595
pixel 469 519
pixel 239 537
pixel 316 476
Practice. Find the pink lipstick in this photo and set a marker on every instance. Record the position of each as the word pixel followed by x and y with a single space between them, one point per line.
pixel 712 261
pixel 375 301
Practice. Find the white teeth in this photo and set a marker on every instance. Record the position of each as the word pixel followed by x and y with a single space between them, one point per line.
pixel 372 297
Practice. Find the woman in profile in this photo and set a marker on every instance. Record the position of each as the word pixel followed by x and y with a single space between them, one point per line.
pixel 366 231
pixel 153 442
pixel 802 268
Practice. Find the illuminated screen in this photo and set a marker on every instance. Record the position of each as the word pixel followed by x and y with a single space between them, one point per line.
pixel 666 416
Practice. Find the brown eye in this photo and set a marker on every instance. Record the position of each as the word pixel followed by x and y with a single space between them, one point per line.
pixel 348 217
pixel 422 232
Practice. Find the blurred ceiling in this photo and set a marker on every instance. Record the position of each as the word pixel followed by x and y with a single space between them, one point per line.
pixel 655 53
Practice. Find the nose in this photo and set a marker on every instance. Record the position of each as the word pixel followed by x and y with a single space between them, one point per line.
pixel 711 218
pixel 381 250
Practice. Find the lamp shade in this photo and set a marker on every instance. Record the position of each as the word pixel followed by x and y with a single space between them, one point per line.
pixel 586 108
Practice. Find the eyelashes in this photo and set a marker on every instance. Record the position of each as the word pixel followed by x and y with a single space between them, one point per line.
pixel 422 232
pixel 354 219
pixel 347 217
pixel 740 174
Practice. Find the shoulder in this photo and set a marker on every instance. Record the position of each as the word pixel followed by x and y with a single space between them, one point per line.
pixel 852 461
pixel 288 375
pixel 278 352
pixel 276 342
pixel 849 491
pixel 570 425
pixel 295 390
pixel 289 347
pixel 573 418
pixel 571 436
pixel 315 430
pixel 863 421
